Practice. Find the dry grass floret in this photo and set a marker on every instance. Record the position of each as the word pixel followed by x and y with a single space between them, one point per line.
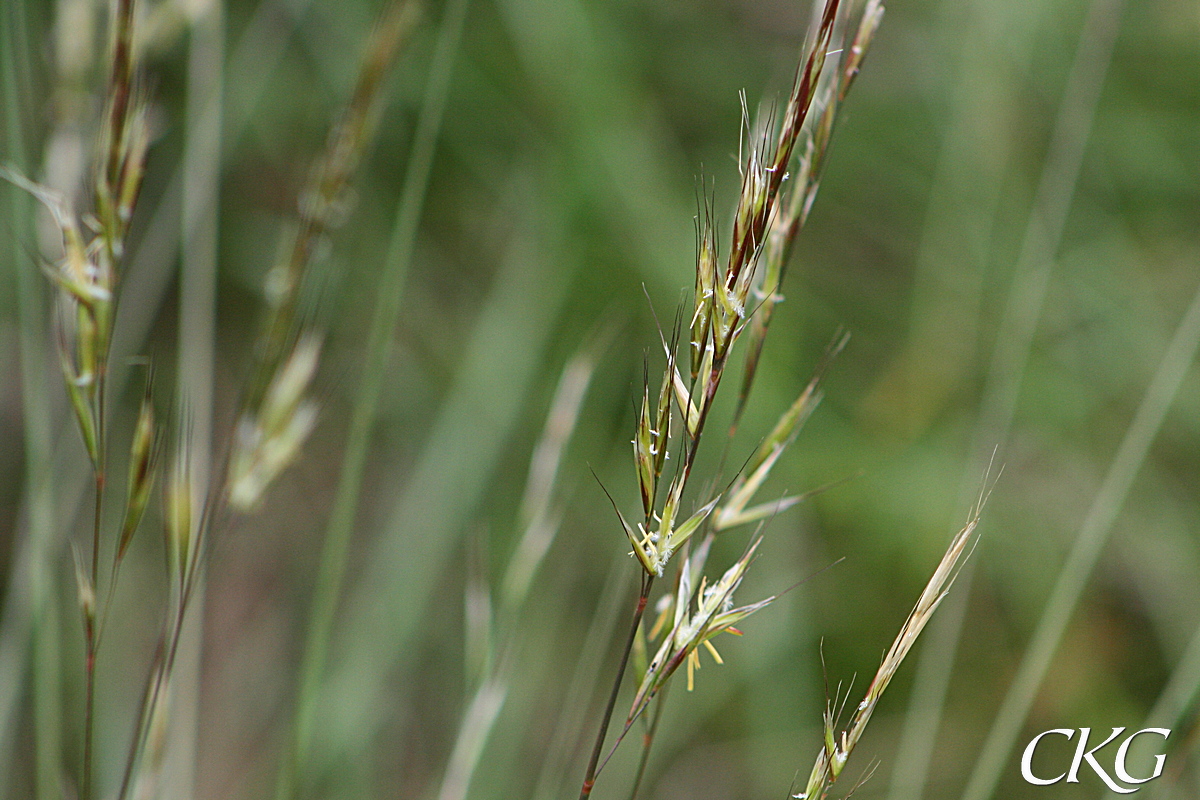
pixel 836 749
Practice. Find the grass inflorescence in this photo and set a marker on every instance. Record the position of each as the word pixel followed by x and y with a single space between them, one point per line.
pixel 733 298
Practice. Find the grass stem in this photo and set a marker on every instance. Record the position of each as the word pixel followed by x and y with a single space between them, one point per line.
pixel 568 729
pixel 1093 534
pixel 331 572
pixel 648 742
pixel 39 495
pixel 589 776
pixel 196 372
pixel 89 629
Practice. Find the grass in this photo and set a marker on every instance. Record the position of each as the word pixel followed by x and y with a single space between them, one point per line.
pixel 1040 243
pixel 1097 524
pixel 44 612
pixel 372 377
pixel 331 577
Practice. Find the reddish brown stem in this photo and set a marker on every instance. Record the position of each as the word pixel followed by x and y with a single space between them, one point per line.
pixel 589 778
pixel 89 628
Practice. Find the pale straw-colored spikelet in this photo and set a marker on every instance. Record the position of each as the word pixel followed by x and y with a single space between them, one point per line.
pixel 267 442
pixel 837 747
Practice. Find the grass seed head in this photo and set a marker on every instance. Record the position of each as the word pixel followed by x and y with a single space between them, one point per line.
pixel 837 749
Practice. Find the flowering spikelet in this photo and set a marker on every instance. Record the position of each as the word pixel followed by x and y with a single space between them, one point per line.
pixel 747 484
pixel 714 614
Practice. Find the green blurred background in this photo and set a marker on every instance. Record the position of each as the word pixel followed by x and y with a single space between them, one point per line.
pixel 562 194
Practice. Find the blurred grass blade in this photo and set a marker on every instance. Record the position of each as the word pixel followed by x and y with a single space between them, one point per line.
pixel 541 524
pixel 196 351
pixel 617 142
pixel 973 160
pixel 1174 700
pixel 32 578
pixel 477 723
pixel 389 293
pixel 423 526
pixel 1090 542
pixel 1181 689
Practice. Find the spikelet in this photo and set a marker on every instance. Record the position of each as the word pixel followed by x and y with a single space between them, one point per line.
pixel 142 456
pixel 267 442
